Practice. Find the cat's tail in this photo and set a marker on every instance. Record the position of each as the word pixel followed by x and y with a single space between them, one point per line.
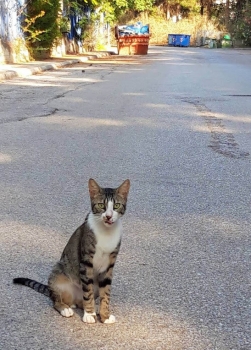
pixel 38 287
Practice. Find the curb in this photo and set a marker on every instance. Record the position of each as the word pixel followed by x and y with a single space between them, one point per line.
pixel 26 71
pixel 23 72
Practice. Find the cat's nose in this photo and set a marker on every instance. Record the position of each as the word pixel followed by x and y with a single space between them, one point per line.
pixel 108 217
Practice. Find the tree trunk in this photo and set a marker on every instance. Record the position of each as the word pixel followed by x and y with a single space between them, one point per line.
pixel 227 13
pixel 201 7
pixel 209 5
pixel 168 15
pixel 178 12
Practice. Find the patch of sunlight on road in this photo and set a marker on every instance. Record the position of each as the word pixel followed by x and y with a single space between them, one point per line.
pixel 205 129
pixel 85 123
pixel 80 122
pixel 143 327
pixel 133 94
pixel 36 240
pixel 227 227
pixel 175 59
pixel 157 105
pixel 240 118
pixel 45 81
pixel 122 72
pixel 237 119
pixel 129 70
pixel 181 63
pixel 118 61
pixel 5 158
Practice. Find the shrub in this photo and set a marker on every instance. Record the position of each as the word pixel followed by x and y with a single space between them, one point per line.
pixel 40 25
pixel 242 25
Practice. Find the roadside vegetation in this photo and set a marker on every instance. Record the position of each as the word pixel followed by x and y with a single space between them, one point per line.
pixel 45 22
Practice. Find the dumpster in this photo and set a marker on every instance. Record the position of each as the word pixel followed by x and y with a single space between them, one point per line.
pixel 179 40
pixel 132 39
pixel 171 39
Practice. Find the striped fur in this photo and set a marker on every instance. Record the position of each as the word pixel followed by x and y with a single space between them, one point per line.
pixel 84 273
pixel 38 287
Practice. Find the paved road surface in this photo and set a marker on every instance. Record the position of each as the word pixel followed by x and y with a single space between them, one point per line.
pixel 178 124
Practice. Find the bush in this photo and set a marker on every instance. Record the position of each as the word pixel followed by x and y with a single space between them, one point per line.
pixel 242 25
pixel 40 26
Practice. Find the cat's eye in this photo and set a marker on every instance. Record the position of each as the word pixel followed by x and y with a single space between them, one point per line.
pixel 116 206
pixel 101 205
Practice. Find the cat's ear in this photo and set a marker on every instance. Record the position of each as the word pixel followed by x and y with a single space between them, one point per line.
pixel 94 188
pixel 123 189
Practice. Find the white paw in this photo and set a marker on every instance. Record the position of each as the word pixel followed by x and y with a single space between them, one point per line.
pixel 67 312
pixel 89 318
pixel 111 319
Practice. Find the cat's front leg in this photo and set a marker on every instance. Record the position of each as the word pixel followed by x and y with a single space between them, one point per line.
pixel 86 276
pixel 105 281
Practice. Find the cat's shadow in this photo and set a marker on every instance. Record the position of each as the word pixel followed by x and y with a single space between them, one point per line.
pixel 79 312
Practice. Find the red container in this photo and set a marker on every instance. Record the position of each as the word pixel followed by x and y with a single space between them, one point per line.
pixel 133 44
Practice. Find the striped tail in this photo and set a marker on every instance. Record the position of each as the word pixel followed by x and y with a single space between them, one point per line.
pixel 38 287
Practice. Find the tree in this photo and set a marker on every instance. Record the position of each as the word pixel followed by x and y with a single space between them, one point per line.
pixel 241 22
pixel 178 7
pixel 40 25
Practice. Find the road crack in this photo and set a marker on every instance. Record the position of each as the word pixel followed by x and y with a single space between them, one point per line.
pixel 20 119
pixel 221 142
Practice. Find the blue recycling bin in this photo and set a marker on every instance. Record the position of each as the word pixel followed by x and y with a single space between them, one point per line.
pixel 171 39
pixel 179 40
pixel 183 40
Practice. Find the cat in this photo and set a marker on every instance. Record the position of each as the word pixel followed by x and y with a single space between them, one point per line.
pixel 85 269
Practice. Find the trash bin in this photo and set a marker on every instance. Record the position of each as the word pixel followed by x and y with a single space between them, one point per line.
pixel 171 39
pixel 132 39
pixel 212 44
pixel 133 45
pixel 226 41
pixel 179 40
pixel 184 40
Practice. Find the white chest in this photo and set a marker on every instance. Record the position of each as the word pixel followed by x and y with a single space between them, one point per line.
pixel 106 244
pixel 100 261
pixel 107 241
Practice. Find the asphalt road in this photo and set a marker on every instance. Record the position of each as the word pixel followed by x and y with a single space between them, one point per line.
pixel 176 123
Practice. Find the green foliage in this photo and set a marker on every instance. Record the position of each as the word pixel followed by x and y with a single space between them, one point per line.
pixel 109 10
pixel 41 26
pixel 242 24
pixel 77 4
pixel 193 6
pixel 167 9
pixel 186 4
pixel 141 5
pixel 64 24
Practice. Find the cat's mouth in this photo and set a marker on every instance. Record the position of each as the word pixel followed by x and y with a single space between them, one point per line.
pixel 109 222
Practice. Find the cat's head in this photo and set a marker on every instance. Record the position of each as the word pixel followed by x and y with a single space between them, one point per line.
pixel 108 204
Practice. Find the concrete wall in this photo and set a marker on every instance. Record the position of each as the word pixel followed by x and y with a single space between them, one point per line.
pixel 12 44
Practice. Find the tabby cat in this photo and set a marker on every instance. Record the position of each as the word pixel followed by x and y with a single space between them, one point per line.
pixel 84 271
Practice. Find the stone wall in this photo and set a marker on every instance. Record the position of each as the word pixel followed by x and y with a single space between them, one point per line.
pixel 12 44
pixel 14 51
